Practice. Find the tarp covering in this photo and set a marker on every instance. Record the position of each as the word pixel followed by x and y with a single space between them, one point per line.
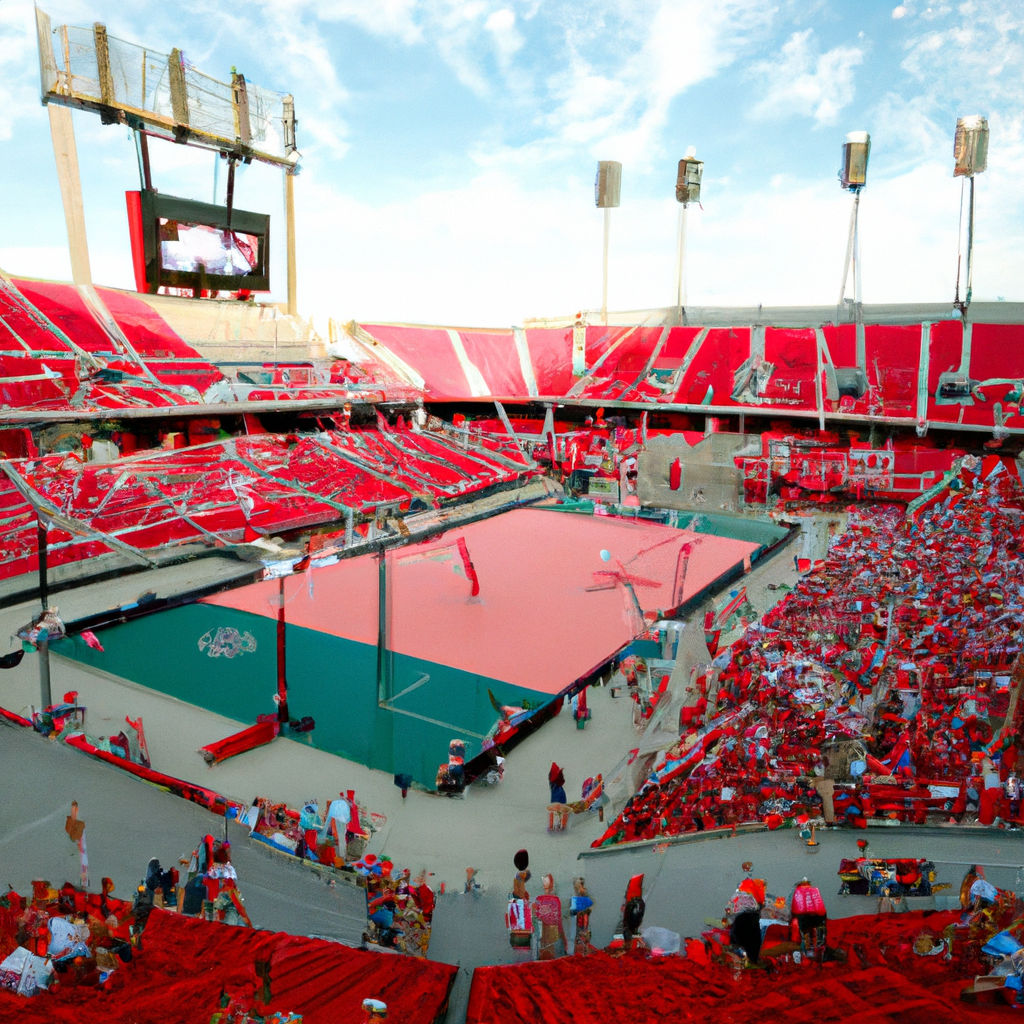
pixel 882 981
pixel 156 346
pixel 186 964
pixel 65 348
pixel 238 743
pixel 777 370
pixel 233 490
pixel 55 355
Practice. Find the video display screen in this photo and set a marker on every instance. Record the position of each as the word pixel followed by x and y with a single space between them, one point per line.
pixel 184 244
pixel 188 247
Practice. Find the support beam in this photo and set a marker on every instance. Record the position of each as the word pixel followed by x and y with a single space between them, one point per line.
pixel 142 139
pixel 289 207
pixel 862 357
pixel 65 153
pixel 507 423
pixel 44 674
pixel 103 64
pixel 292 153
pixel 43 551
pixel 849 249
pixel 230 201
pixel 240 99
pixel 177 87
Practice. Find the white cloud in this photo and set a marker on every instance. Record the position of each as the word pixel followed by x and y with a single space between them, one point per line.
pixel 502 26
pixel 978 58
pixel 463 32
pixel 620 69
pixel 394 18
pixel 907 132
pixel 500 21
pixel 301 56
pixel 50 262
pixel 19 75
pixel 617 67
pixel 802 81
pixel 900 12
pixel 481 254
pixel 493 253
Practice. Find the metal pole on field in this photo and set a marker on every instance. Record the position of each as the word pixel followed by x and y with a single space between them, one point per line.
pixel 970 244
pixel 851 248
pixel 382 627
pixel 856 256
pixel 44 600
pixel 282 679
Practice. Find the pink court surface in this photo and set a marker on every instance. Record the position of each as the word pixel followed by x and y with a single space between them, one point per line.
pixel 550 608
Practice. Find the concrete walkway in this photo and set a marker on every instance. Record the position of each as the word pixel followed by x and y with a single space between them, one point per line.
pixel 128 821
pixel 688 883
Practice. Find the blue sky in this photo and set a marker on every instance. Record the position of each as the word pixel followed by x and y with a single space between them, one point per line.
pixel 449 147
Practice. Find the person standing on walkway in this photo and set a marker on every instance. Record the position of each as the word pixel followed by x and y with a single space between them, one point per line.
pixel 558 810
pixel 519 918
pixel 808 909
pixel 547 911
pixel 744 914
pixel 556 783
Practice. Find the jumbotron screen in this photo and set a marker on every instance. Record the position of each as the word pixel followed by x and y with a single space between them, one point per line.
pixel 180 243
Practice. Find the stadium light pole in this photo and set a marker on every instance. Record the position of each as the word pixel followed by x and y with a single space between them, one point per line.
pixel 688 178
pixel 853 176
pixel 970 153
pixel 607 189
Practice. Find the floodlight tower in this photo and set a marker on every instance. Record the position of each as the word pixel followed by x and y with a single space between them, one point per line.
pixel 688 178
pixel 853 176
pixel 970 153
pixel 607 188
